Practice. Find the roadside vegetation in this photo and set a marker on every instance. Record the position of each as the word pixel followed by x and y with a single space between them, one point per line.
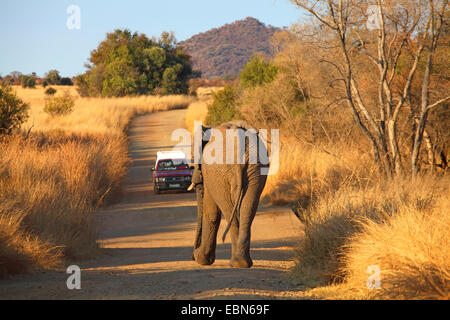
pixel 128 63
pixel 67 159
pixel 364 145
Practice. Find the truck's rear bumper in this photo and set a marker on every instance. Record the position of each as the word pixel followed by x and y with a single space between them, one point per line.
pixel 172 185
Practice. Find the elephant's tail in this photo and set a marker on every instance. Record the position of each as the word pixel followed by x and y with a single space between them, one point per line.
pixel 237 205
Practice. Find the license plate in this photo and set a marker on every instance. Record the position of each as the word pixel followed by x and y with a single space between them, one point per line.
pixel 174 186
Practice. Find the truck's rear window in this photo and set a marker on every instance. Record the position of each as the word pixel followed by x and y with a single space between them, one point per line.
pixel 174 164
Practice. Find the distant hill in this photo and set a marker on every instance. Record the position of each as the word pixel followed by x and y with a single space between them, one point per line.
pixel 223 51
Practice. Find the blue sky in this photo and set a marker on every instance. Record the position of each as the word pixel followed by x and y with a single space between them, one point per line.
pixel 35 38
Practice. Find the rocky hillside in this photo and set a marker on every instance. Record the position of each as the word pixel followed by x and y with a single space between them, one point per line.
pixel 223 51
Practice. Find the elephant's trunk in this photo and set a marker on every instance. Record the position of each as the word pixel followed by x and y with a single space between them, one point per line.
pixel 198 234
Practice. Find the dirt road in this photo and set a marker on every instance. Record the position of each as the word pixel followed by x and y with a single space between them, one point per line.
pixel 147 242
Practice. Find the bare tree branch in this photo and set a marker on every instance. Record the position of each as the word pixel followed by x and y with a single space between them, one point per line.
pixel 437 103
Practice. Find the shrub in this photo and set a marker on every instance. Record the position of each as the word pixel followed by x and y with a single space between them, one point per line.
pixel 59 106
pixel 223 107
pixel 53 77
pixel 257 72
pixel 13 111
pixel 28 81
pixel 50 91
pixel 66 81
pixel 83 85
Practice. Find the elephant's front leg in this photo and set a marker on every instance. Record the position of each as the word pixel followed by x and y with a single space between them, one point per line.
pixel 206 253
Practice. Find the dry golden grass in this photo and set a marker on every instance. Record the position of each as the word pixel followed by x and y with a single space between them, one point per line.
pixel 411 249
pixel 305 173
pixel 328 222
pixel 207 92
pixel 49 186
pixel 20 251
pixel 37 94
pixel 95 115
pixel 58 171
pixel 402 227
pixel 196 112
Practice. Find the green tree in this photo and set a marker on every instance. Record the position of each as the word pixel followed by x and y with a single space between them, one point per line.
pixel 28 81
pixel 52 77
pixel 66 81
pixel 172 82
pixel 257 71
pixel 13 111
pixel 223 107
pixel 120 78
pixel 130 64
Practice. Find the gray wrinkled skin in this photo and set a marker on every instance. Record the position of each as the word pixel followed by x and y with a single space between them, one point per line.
pixel 233 190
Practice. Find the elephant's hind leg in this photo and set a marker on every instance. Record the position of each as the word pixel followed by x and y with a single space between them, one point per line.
pixel 206 253
pixel 241 253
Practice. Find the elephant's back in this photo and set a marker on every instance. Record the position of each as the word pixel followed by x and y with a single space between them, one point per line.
pixel 236 137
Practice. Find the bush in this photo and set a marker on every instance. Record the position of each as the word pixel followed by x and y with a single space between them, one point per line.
pixel 50 91
pixel 257 72
pixel 223 107
pixel 59 106
pixel 83 85
pixel 66 81
pixel 13 111
pixel 53 77
pixel 28 81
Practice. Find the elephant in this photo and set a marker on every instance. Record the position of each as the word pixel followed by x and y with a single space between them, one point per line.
pixel 233 190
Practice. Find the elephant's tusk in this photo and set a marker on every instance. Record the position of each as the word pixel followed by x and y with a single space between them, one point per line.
pixel 191 187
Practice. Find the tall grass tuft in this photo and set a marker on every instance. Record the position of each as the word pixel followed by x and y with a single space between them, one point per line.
pixel 411 248
pixel 400 226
